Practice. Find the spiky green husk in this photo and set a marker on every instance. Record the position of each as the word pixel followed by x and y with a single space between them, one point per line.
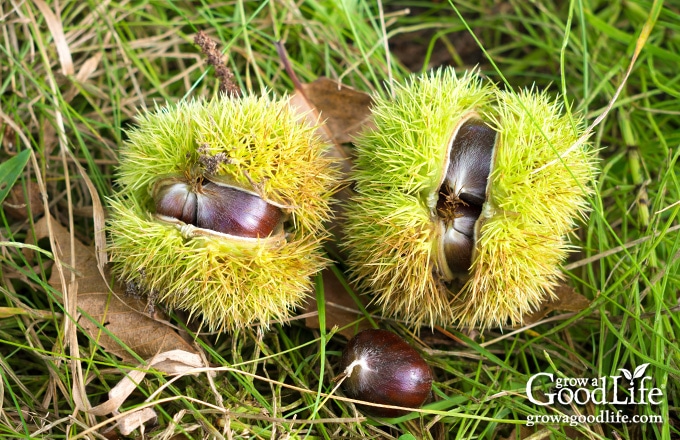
pixel 399 168
pixel 257 143
pixel 406 151
pixel 538 185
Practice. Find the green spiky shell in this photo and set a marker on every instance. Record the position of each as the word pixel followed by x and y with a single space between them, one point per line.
pixel 255 143
pixel 538 184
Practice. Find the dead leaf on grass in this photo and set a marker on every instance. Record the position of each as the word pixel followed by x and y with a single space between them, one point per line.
pixel 171 362
pixel 345 110
pixel 127 424
pixel 345 113
pixel 341 310
pixel 17 204
pixel 109 316
pixel 567 300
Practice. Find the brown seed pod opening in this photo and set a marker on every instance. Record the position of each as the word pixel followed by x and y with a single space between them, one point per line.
pixel 217 207
pixel 458 223
pixel 462 193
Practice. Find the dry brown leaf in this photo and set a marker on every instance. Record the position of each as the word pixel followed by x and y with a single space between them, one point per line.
pixel 567 300
pixel 121 316
pixel 16 205
pixel 119 393
pixel 345 110
pixel 171 362
pixel 98 217
pixel 341 309
pixel 126 425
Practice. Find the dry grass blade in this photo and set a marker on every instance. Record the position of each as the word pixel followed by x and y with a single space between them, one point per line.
pixel 55 26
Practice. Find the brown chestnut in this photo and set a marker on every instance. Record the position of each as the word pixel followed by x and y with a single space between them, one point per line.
pixel 219 208
pixel 176 200
pixel 462 194
pixel 380 367
pixel 470 161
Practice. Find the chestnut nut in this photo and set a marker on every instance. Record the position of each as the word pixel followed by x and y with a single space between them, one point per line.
pixel 380 367
pixel 218 208
pixel 462 194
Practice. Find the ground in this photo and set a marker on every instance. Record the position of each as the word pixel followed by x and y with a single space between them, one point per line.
pixel 73 77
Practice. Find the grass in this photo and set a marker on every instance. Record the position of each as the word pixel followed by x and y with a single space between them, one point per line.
pixel 74 74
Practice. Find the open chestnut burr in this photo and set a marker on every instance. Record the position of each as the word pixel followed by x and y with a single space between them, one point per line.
pixel 465 198
pixel 221 209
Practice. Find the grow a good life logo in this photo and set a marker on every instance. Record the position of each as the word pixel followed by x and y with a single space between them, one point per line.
pixel 599 390
pixel 629 388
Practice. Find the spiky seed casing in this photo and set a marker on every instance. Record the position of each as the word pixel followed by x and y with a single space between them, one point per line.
pixel 538 185
pixel 257 144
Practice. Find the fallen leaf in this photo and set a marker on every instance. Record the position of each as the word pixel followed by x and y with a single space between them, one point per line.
pixel 109 315
pixel 345 110
pixel 17 205
pixel 171 362
pixel 341 310
pixel 566 300
pixel 98 217
pixel 134 420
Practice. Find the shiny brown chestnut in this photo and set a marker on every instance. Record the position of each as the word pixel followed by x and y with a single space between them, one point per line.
pixel 380 367
pixel 219 208
pixel 463 193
